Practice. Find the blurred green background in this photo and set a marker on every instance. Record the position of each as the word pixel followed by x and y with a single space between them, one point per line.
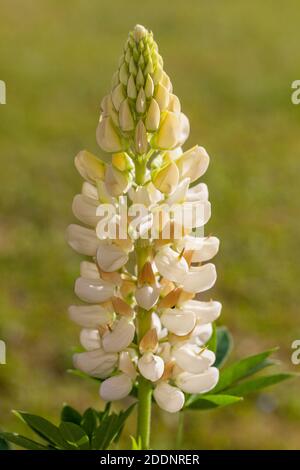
pixel 232 64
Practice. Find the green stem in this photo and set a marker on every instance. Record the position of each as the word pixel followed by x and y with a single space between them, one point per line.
pixel 180 429
pixel 140 169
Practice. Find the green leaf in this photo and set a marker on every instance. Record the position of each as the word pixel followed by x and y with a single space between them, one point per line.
pixel 110 428
pixel 22 441
pixel 4 445
pixel 43 428
pixel 212 343
pixel 70 414
pixel 241 369
pixel 224 346
pixel 74 435
pixel 255 385
pixel 206 402
pixel 89 421
pixel 136 444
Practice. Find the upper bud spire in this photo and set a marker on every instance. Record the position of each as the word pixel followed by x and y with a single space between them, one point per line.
pixel 139 101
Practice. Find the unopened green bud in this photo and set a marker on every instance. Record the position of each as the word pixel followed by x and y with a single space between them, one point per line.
pixel 132 67
pixel 128 56
pixel 166 82
pixel 125 117
pixel 118 95
pixel 123 74
pixel 157 74
pixel 141 102
pixel 115 79
pixel 149 66
pixel 140 138
pixel 162 97
pixel 141 61
pixel 153 116
pixel 149 87
pixel 140 78
pixel 174 103
pixel 131 88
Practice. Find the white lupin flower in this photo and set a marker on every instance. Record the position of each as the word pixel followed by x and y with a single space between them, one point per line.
pixel 198 383
pixel 206 312
pixel 171 265
pixel 147 296
pixel 191 359
pixel 84 208
pixel 90 339
pixel 95 363
pixel 178 321
pixel 92 290
pixel 111 257
pixel 116 387
pixel 151 366
pixel 200 278
pixel 120 337
pixel 143 319
pixel 82 239
pixel 168 398
pixel 90 316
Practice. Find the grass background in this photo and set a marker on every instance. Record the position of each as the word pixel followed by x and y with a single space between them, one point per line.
pixel 232 64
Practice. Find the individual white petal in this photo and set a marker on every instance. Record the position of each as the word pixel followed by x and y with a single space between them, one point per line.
pixel 200 278
pixel 116 387
pixel 147 296
pixel 89 166
pixel 193 163
pixel 164 351
pixel 151 366
pixel 170 265
pixel 198 383
pixel 120 337
pixel 206 312
pixel 111 257
pixel 90 339
pixel 108 137
pixel 92 290
pixel 90 316
pixel 96 363
pixel 201 334
pixel 89 270
pixel 168 398
pixel 90 191
pixel 199 192
pixel 184 129
pixel 191 359
pixel 196 214
pixel 178 321
pixel 180 192
pixel 126 365
pixel 82 239
pixel 116 181
pixel 156 323
pixel 84 208
pixel 204 248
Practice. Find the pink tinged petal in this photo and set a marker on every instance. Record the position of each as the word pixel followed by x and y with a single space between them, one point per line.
pixel 146 296
pixel 198 383
pixel 90 316
pixel 170 265
pixel 178 321
pixel 191 359
pixel 111 258
pixel 206 312
pixel 90 339
pixel 95 363
pixel 84 208
pixel 151 366
pixel 168 398
pixel 91 290
pixel 116 387
pixel 82 239
pixel 120 337
pixel 200 278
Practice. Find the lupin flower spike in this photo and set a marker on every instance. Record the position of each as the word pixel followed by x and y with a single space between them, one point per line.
pixel 143 326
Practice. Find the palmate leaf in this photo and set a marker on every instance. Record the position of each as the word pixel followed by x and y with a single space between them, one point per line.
pixel 22 441
pixel 224 344
pixel 207 402
pixel 110 428
pixel 255 385
pixel 89 421
pixel 74 435
pixel 70 415
pixel 242 369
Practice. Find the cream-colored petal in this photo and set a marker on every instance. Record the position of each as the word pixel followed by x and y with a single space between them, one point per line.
pixel 168 398
pixel 82 239
pixel 178 321
pixel 84 208
pixel 206 312
pixel 91 290
pixel 116 387
pixel 95 363
pixel 198 383
pixel 191 359
pixel 200 278
pixel 120 337
pixel 151 366
pixel 90 339
pixel 170 265
pixel 90 316
pixel 111 257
